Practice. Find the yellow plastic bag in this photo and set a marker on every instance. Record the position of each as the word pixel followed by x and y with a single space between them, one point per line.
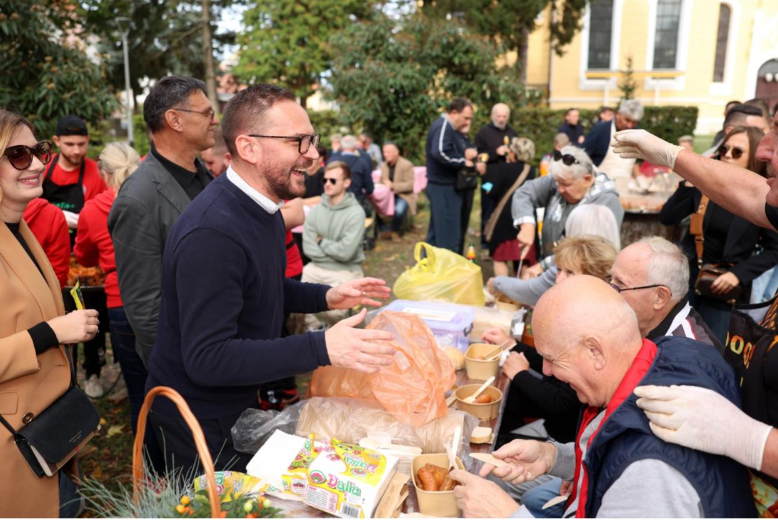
pixel 441 276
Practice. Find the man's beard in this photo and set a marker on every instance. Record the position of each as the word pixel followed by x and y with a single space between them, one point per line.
pixel 74 160
pixel 499 126
pixel 286 186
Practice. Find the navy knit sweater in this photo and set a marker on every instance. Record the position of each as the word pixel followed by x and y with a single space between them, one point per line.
pixel 223 299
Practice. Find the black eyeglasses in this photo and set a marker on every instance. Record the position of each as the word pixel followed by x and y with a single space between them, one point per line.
pixel 325 180
pixel 304 142
pixel 20 156
pixel 622 289
pixel 737 153
pixel 207 113
pixel 566 158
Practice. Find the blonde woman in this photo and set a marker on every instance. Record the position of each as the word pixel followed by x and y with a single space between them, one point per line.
pixel 93 247
pixel 35 332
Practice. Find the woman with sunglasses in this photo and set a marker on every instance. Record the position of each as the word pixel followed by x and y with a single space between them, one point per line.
pixel 35 332
pixel 728 241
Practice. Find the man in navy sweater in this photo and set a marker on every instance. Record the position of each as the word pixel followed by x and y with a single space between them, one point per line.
pixel 224 293
pixel 447 153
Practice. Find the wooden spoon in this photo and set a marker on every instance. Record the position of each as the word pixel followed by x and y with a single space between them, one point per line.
pixel 497 350
pixel 496 356
pixel 470 399
pixel 451 451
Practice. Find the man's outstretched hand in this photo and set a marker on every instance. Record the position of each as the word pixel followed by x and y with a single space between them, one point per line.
pixel 639 144
pixel 363 291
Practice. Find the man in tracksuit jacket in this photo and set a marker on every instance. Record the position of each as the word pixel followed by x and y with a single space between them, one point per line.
pixel 446 155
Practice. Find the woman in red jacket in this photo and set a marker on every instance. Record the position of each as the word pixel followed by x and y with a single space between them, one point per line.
pixel 47 223
pixel 94 246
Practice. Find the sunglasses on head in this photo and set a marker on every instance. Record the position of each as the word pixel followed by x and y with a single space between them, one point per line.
pixel 325 180
pixel 20 156
pixel 737 153
pixel 567 159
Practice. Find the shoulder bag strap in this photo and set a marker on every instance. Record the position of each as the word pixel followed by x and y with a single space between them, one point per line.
pixel 51 168
pixel 696 228
pixel 492 222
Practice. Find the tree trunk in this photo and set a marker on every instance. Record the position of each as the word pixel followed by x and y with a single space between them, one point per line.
pixel 210 77
pixel 523 54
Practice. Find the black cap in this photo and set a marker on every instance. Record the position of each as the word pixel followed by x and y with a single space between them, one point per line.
pixel 71 125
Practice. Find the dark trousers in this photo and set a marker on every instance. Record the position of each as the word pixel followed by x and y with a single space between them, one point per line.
pixel 135 374
pixel 445 217
pixel 177 442
pixel 467 208
pixel 94 349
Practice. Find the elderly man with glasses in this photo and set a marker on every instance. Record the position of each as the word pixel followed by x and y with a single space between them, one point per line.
pixel 572 181
pixel 652 275
pixel 181 121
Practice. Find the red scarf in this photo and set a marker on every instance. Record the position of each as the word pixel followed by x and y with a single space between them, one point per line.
pixel 631 379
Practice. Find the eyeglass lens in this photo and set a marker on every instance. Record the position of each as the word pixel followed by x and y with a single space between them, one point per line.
pixel 737 153
pixel 306 141
pixel 325 180
pixel 567 159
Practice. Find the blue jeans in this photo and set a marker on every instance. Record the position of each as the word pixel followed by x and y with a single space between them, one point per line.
pixel 536 498
pixel 400 209
pixel 69 497
pixel 716 314
pixel 445 217
pixel 135 374
pixel 763 288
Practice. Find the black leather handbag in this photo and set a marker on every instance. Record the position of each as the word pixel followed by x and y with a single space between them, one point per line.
pixel 467 179
pixel 52 438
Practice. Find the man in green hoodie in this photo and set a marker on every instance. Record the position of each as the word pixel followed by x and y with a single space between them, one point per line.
pixel 332 238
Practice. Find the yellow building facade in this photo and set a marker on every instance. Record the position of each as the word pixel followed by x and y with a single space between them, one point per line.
pixel 684 52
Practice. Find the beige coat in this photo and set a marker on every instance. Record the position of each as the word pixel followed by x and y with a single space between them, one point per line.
pixel 403 181
pixel 28 383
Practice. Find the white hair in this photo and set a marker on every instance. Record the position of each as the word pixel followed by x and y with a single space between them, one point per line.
pixel 575 171
pixel 631 108
pixel 593 219
pixel 349 142
pixel 668 266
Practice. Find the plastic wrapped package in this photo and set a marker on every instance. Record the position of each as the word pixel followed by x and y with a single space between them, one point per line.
pixel 353 419
pixel 490 318
pixel 254 427
pixel 412 389
pixel 441 275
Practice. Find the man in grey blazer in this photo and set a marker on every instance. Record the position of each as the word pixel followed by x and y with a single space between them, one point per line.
pixel 181 120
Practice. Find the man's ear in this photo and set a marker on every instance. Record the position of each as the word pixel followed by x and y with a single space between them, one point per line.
pixel 347 182
pixel 662 296
pixel 247 149
pixel 56 140
pixel 595 352
pixel 173 120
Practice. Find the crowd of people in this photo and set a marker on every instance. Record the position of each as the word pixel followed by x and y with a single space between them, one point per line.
pixel 642 367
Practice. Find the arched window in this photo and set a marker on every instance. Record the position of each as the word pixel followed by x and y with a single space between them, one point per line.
pixel 668 18
pixel 721 43
pixel 600 29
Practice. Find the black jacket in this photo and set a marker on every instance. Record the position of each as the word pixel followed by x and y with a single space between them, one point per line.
pixel 741 240
pixel 503 176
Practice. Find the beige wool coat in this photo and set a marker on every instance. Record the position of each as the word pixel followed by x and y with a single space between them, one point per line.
pixel 29 383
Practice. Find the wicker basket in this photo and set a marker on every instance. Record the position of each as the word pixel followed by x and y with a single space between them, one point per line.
pixel 199 440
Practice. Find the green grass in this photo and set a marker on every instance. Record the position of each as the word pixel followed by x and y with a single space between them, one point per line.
pixel 703 142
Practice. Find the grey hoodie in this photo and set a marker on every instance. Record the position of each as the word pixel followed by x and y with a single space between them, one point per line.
pixel 342 228
pixel 542 193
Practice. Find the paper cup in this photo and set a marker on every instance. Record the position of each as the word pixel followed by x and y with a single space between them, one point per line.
pixel 485 411
pixel 435 503
pixel 478 368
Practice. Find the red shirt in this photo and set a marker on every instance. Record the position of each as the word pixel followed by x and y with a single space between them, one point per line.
pixel 48 224
pixel 93 183
pixel 94 245
pixel 294 262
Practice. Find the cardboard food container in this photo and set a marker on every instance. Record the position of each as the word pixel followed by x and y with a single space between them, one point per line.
pixel 486 411
pixel 506 304
pixel 478 368
pixel 435 503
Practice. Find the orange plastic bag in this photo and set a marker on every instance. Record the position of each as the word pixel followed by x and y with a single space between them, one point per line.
pixel 412 388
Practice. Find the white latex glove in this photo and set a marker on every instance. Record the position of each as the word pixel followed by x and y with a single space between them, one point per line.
pixel 639 144
pixel 703 420
pixel 71 218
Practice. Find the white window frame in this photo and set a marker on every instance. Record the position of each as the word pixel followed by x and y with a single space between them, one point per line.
pixel 724 88
pixel 682 53
pixel 600 84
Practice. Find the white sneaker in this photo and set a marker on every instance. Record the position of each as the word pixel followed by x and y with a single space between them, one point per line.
pixel 93 388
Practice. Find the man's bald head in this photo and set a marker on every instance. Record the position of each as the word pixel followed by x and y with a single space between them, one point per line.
pixel 500 115
pixel 588 336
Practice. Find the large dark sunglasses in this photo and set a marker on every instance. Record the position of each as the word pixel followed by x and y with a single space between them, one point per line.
pixel 20 156
pixel 567 159
pixel 304 142
pixel 325 180
pixel 737 153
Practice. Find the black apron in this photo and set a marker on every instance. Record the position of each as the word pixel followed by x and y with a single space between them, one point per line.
pixel 69 197
pixel 752 334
